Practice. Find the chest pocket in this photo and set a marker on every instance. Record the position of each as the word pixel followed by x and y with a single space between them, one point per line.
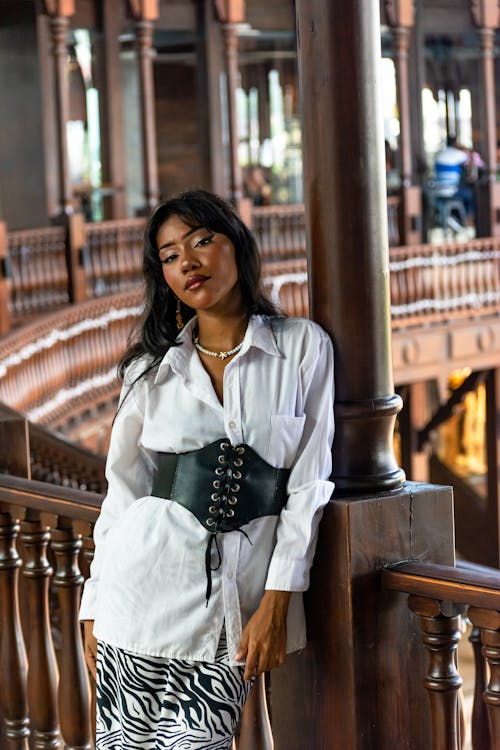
pixel 285 435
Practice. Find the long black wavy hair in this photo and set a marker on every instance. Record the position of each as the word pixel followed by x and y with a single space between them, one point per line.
pixel 157 331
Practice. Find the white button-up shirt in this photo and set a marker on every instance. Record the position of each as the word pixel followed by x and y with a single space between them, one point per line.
pixel 147 587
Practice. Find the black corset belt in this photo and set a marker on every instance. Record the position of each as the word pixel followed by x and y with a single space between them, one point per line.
pixel 225 486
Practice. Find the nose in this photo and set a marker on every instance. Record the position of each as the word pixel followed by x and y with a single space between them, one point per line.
pixel 189 260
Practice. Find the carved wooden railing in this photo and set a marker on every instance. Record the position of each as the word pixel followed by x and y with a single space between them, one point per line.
pixel 50 458
pixel 51 369
pixel 38 270
pixel 439 595
pixel 280 231
pixel 45 695
pixel 113 255
pixel 47 268
pixel 435 283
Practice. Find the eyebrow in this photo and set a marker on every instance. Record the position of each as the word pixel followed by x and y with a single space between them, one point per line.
pixel 171 244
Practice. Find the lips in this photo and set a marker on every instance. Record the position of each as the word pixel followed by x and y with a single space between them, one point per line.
pixel 195 281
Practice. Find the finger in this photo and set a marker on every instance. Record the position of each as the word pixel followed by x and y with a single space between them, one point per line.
pixel 243 647
pixel 251 664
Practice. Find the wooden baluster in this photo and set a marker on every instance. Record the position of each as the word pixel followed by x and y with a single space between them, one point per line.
pixel 74 692
pixel 42 666
pixel 480 730
pixel 88 555
pixel 489 622
pixel 440 633
pixel 256 731
pixel 13 664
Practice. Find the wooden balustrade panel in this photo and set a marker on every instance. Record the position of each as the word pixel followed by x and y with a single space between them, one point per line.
pixel 67 359
pixel 114 255
pixel 74 689
pixel 442 282
pixel 39 272
pixel 13 663
pixel 280 231
pixel 42 665
pixel 441 635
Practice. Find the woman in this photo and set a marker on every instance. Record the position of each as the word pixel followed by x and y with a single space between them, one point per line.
pixel 217 473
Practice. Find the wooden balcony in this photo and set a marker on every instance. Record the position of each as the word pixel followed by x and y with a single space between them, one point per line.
pixel 445 314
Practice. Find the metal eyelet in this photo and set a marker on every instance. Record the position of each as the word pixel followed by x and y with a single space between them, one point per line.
pixel 213 509
pixel 214 496
pixel 222 460
pixel 219 471
pixel 235 488
pixel 224 446
pixel 232 501
pixel 229 513
pixel 240 449
pixel 216 484
pixel 237 474
pixel 238 462
pixel 210 521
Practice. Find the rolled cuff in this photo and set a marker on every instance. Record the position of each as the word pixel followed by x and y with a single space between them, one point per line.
pixel 285 574
pixel 88 602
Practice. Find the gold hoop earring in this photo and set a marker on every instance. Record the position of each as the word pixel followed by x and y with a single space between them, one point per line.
pixel 178 316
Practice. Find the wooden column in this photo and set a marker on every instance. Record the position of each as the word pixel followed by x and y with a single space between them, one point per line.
pixel 209 106
pixel 362 641
pixel 401 14
pixel 493 456
pixel 486 15
pixel 145 12
pixel 230 33
pixel 107 67
pixel 232 13
pixel 414 415
pixel 346 219
pixel 60 12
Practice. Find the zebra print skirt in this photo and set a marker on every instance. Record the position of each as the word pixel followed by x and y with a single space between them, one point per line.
pixel 153 703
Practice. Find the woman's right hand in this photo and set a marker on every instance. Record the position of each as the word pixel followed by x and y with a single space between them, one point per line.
pixel 90 646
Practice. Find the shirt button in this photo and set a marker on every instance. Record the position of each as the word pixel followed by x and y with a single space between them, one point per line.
pixel 232 424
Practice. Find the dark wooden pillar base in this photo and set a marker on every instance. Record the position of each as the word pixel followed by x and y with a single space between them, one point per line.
pixel 359 683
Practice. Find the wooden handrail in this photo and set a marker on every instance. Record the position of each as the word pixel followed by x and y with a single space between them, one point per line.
pixel 478 588
pixel 79 505
pixel 438 594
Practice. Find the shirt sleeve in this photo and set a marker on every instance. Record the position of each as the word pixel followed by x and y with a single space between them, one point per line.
pixel 309 488
pixel 129 472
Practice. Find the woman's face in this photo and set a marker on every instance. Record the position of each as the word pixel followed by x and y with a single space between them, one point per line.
pixel 199 266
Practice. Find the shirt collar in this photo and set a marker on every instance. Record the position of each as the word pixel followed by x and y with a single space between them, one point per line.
pixel 259 333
